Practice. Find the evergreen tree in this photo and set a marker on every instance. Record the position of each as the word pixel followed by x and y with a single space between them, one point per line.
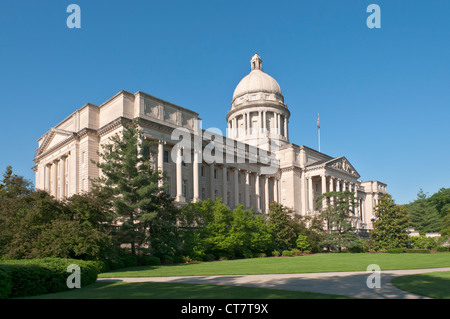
pixel 390 227
pixel 337 216
pixel 423 215
pixel 142 208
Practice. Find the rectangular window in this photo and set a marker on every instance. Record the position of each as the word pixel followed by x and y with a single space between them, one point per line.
pixel 215 173
pixel 203 193
pixel 203 171
pixel 216 193
pixel 185 188
pixel 166 156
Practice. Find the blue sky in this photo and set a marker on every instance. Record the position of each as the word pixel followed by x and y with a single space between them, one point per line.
pixel 383 94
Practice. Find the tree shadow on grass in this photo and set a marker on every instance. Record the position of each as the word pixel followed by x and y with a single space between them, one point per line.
pixel 352 285
pixel 150 290
pixel 434 285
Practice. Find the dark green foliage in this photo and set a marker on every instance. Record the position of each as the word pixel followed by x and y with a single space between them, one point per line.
pixel 417 251
pixel 390 228
pixel 396 250
pixel 210 230
pixel 423 213
pixel 145 214
pixel 337 216
pixel 47 275
pixel 5 284
pixel 442 249
pixel 280 221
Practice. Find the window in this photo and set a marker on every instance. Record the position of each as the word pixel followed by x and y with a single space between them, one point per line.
pixel 185 188
pixel 228 176
pixel 215 173
pixel 203 193
pixel 203 171
pixel 216 193
pixel 166 156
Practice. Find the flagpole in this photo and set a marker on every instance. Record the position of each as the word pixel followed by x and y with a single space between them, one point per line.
pixel 318 129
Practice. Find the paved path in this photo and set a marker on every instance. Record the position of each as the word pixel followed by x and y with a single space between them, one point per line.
pixel 353 284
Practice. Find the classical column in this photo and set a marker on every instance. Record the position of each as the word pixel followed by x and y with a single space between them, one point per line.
pixel 276 190
pixel 324 190
pixel 331 190
pixel 195 173
pixel 248 124
pixel 356 208
pixel 279 123
pixel 257 193
pixel 310 193
pixel 259 122
pixel 286 128
pixel 224 185
pixel 160 161
pixel 338 185
pixel 247 189
pixel 304 193
pixel 236 187
pixel 62 178
pixel 47 178
pixel 54 178
pixel 264 121
pixel 179 166
pixel 266 193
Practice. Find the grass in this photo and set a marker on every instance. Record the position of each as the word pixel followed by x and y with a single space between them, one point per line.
pixel 148 290
pixel 434 285
pixel 286 265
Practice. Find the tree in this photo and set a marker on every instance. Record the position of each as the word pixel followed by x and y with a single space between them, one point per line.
pixel 441 201
pixel 423 215
pixel 280 222
pixel 302 243
pixel 390 227
pixel 337 216
pixel 142 208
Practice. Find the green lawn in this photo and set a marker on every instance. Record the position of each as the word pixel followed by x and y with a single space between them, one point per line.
pixel 149 290
pixel 434 285
pixel 286 265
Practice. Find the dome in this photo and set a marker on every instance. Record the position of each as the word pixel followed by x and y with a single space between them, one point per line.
pixel 256 81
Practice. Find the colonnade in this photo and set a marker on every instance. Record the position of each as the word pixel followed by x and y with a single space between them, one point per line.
pixel 252 180
pixel 56 177
pixel 248 129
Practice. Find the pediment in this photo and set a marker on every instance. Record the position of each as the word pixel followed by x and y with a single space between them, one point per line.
pixel 53 138
pixel 343 165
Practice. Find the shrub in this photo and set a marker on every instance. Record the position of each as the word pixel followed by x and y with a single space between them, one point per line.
pixel 31 277
pixel 442 249
pixel 396 251
pixel 149 261
pixel 296 252
pixel 286 253
pixel 261 255
pixel 275 253
pixel 5 284
pixel 417 251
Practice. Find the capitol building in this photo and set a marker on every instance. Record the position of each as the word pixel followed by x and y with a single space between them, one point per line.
pixel 253 164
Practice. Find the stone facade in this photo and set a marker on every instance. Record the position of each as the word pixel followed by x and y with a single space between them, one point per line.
pixel 253 165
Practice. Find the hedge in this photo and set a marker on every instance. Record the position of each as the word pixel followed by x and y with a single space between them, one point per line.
pixel 417 251
pixel 396 250
pixel 30 277
pixel 442 249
